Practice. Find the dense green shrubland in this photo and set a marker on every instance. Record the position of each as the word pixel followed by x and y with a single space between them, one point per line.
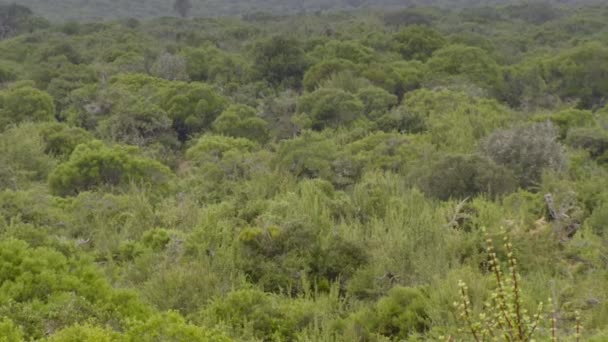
pixel 326 177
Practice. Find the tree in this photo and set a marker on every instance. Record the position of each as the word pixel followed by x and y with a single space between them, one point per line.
pixel 461 176
pixel 192 106
pixel 84 333
pixel 9 332
pixel 135 121
pixel 376 101
pixel 182 7
pixel 528 151
pixel 15 19
pixel 22 157
pixel 346 50
pixel 417 42
pixel 472 63
pixel 280 61
pixel 22 102
pixel 41 286
pixel 330 107
pixel 242 121
pixel 307 156
pixel 171 327
pixel 321 71
pixel 210 64
pixel 581 73
pixel 455 120
pixel 170 67
pixel 93 165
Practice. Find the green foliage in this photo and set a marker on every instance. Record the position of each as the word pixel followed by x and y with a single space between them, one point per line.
pixel 171 327
pixel 308 156
pixel 343 50
pixel 210 64
pixel 322 70
pixel 7 72
pixel 192 107
pixel 93 165
pixel 144 107
pixel 250 308
pixel 593 140
pixel 213 147
pixel 459 177
pixel 22 103
pixel 25 161
pixel 241 121
pixel 84 333
pixel 569 119
pixel 417 42
pixel 280 61
pixel 400 315
pixel 320 176
pixel 330 107
pixel 455 120
pixel 398 77
pixel 135 121
pixel 9 332
pixel 578 73
pixel 471 62
pixel 528 151
pixel 40 284
pixel 376 101
pixel 60 139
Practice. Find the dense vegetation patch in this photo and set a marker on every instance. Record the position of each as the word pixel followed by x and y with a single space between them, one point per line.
pixel 326 176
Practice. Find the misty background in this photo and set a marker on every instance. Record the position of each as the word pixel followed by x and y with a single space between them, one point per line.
pixel 59 10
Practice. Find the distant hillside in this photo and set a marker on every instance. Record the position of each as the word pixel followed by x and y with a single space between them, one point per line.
pixel 57 10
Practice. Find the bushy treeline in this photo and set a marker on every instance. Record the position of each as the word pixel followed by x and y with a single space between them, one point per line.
pixel 60 10
pixel 308 178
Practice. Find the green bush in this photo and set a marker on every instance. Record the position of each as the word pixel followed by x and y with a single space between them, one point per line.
pixel 376 101
pixel 527 151
pixel 60 139
pixel 593 140
pixel 9 332
pixel 280 61
pixel 192 107
pixel 84 333
pixel 94 165
pixel 40 285
pixel 22 102
pixel 23 162
pixel 252 310
pixel 329 107
pixel 461 176
pixel 471 62
pixel 171 327
pixel 417 42
pixel 242 121
pixel 307 156
pixel 569 119
pixel 400 315
pixel 321 71
pixel 345 50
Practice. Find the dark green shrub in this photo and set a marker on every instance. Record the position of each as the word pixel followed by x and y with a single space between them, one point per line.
pixel 22 102
pixel 280 61
pixel 60 139
pixel 242 121
pixel 398 316
pixel 417 42
pixel 329 107
pixel 461 176
pixel 593 140
pixel 94 165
